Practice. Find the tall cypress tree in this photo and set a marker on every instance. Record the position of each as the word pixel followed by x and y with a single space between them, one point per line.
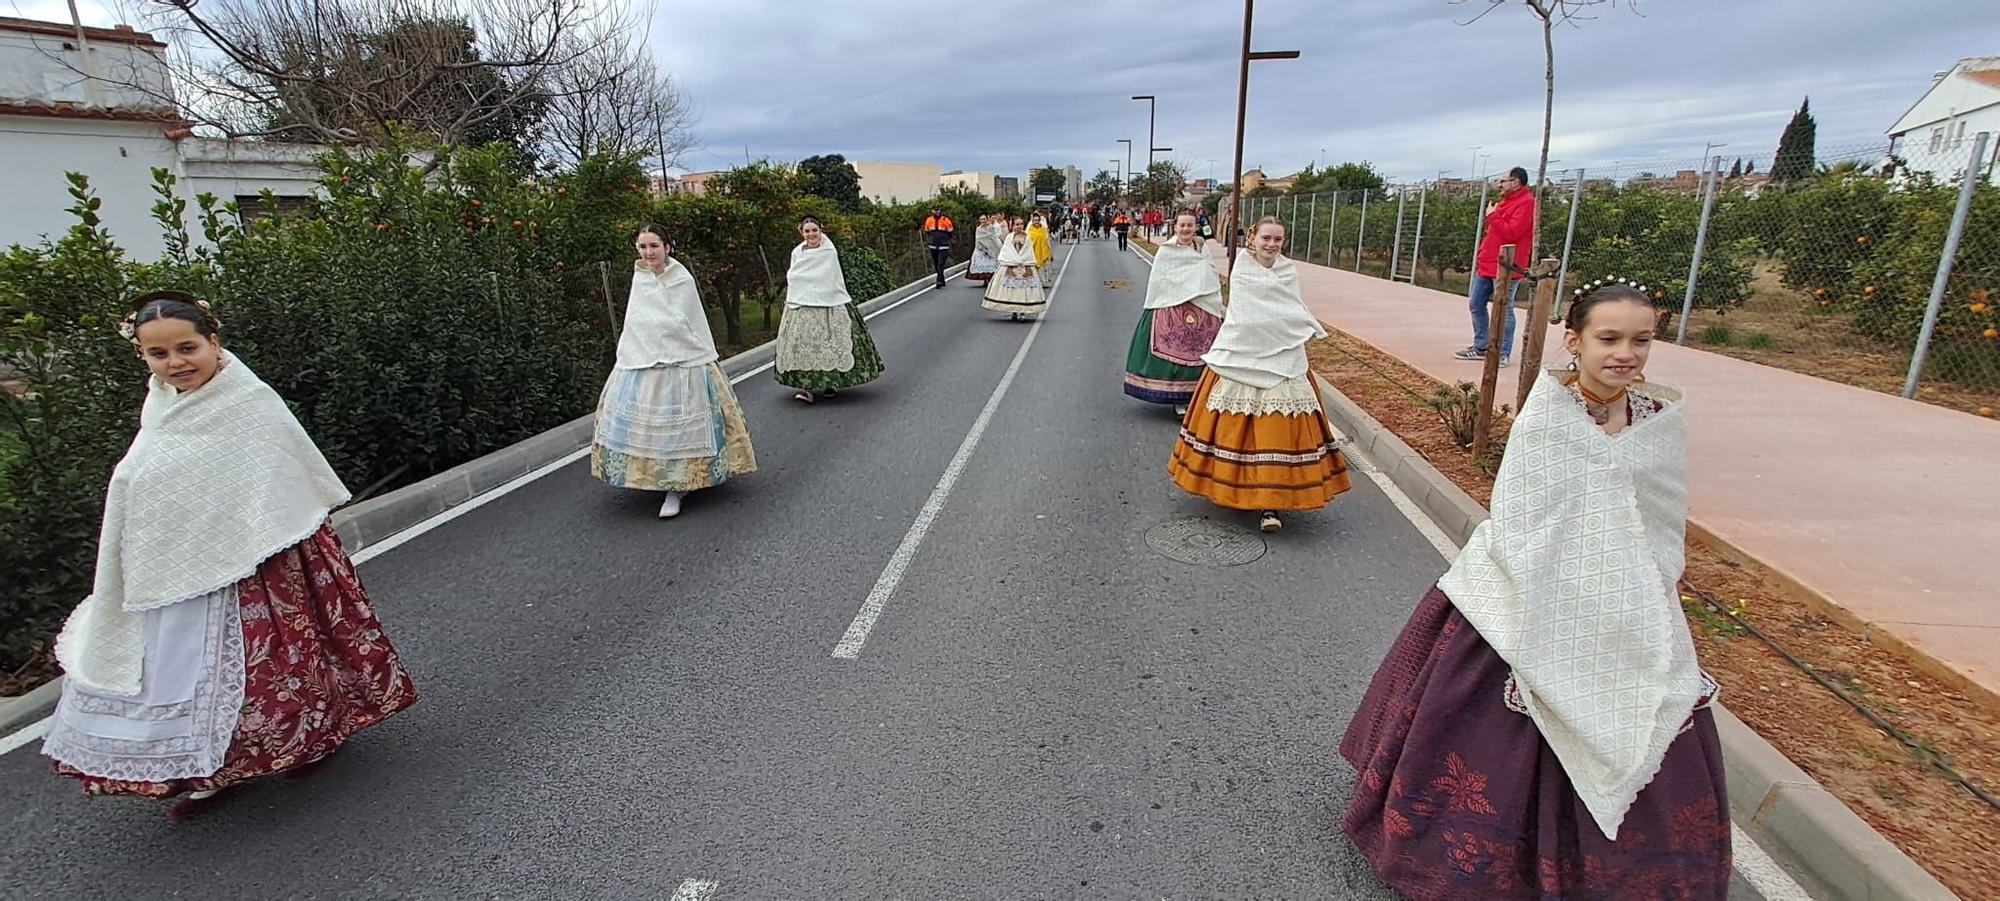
pixel 1794 160
pixel 1736 171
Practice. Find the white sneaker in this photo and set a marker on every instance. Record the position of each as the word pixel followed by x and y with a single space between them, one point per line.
pixel 671 507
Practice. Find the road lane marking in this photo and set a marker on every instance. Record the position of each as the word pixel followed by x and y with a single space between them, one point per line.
pixel 899 562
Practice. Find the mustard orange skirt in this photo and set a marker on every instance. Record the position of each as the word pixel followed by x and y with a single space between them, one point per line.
pixel 1265 462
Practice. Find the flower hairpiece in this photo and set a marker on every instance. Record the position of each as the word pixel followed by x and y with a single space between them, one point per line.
pixel 1608 281
pixel 128 327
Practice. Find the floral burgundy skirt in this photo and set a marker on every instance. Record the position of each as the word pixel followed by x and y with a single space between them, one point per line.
pixel 317 669
pixel 1458 796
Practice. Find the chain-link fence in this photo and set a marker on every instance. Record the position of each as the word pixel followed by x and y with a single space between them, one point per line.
pixel 1875 266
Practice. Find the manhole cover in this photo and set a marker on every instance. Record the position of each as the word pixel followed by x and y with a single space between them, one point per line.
pixel 1204 542
pixel 1116 283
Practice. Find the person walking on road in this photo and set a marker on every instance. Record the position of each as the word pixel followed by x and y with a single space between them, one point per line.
pixel 986 249
pixel 1488 734
pixel 938 233
pixel 1510 221
pixel 226 635
pixel 1255 436
pixel 1017 289
pixel 1038 233
pixel 667 420
pixel 1182 314
pixel 1121 223
pixel 823 344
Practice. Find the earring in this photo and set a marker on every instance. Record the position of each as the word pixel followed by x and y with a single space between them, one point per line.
pixel 1572 364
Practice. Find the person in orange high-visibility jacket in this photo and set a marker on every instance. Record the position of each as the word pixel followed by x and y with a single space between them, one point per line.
pixel 1122 224
pixel 938 232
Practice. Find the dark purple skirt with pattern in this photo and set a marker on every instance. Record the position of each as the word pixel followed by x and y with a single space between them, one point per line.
pixel 1458 797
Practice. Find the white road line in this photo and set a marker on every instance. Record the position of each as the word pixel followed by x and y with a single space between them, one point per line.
pixel 26 734
pixel 695 890
pixel 1764 874
pixel 899 562
pixel 41 727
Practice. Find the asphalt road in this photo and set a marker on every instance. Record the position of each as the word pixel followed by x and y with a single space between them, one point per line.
pixel 621 707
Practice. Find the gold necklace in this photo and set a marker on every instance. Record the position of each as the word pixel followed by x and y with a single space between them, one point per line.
pixel 1598 408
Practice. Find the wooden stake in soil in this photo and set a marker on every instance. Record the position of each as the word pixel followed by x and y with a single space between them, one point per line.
pixel 1496 336
pixel 1538 329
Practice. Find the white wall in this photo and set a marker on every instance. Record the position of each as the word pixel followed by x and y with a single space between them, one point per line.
pixel 899 182
pixel 981 182
pixel 43 69
pixel 232 169
pixel 117 156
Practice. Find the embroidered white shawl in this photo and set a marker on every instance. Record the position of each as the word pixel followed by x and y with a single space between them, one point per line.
pixel 989 237
pixel 1263 339
pixel 664 322
pixel 815 279
pixel 1573 582
pixel 1017 254
pixel 1182 274
pixel 217 481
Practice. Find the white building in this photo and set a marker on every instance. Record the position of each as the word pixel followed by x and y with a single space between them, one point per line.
pixel 898 182
pixel 986 184
pixel 1936 134
pixel 1073 184
pixel 99 101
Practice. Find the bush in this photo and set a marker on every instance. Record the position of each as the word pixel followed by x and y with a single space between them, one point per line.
pixel 1717 334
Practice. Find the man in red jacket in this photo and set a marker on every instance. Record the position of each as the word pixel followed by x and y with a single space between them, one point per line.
pixel 1511 221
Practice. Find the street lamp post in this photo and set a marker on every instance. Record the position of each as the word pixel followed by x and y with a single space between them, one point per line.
pixel 1152 118
pixel 1242 100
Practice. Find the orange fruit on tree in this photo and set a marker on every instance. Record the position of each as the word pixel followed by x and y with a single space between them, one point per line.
pixel 1819 292
pixel 1986 412
pixel 1861 239
pixel 1979 294
pixel 1870 290
pixel 1978 308
pixel 1991 333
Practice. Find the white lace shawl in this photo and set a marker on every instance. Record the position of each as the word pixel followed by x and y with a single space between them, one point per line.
pixel 815 279
pixel 217 481
pixel 1017 255
pixel 1182 274
pixel 665 324
pixel 988 238
pixel 1263 339
pixel 1573 582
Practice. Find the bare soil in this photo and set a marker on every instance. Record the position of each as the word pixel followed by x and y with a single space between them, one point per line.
pixel 1939 824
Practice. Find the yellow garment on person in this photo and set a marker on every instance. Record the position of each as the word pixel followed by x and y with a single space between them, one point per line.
pixel 1039 234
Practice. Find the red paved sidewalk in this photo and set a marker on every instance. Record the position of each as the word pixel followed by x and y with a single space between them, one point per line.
pixel 1883 507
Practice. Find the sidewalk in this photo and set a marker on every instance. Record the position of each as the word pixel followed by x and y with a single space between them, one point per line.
pixel 1883 508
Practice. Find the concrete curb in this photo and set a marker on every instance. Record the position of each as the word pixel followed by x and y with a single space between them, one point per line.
pixel 1772 799
pixel 376 519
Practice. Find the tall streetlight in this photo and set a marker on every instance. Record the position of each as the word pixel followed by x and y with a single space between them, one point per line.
pixel 1152 117
pixel 1242 100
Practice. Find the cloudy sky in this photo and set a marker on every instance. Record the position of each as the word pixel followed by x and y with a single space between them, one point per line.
pixel 1003 85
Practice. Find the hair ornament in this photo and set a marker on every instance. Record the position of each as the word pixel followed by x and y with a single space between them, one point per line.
pixel 1608 281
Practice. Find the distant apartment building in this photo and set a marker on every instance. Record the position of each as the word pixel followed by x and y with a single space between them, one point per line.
pixel 1073 184
pixel 986 184
pixel 898 182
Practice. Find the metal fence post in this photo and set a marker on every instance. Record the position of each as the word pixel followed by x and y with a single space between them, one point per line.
pixel 1416 247
pixel 1478 232
pixel 1396 243
pixel 610 309
pixel 1966 185
pixel 1700 239
pixel 1569 238
pixel 1312 223
pixel 1361 233
pixel 1332 220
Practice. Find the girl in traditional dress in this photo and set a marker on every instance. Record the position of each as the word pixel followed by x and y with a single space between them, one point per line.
pixel 1255 437
pixel 226 635
pixel 823 346
pixel 1182 314
pixel 986 249
pixel 667 420
pixel 1540 728
pixel 1038 232
pixel 1017 288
